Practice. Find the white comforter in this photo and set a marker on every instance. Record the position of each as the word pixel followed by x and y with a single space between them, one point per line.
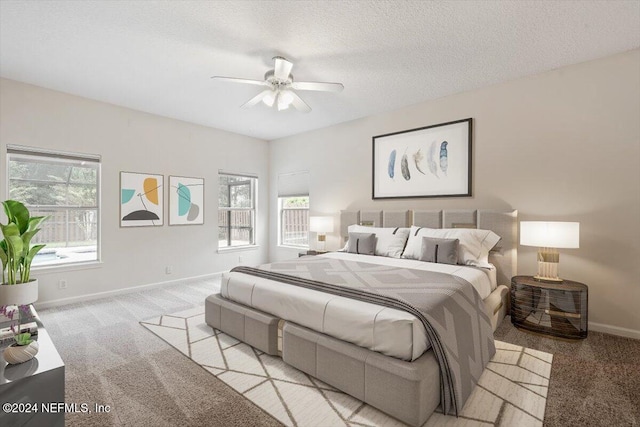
pixel 386 330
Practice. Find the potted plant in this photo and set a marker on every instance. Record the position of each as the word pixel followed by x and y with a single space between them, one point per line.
pixel 17 288
pixel 24 348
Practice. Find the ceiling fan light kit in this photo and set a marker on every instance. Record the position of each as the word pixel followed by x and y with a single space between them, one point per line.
pixel 281 87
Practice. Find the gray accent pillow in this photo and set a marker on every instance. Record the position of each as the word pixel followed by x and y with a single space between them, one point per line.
pixel 362 243
pixel 442 251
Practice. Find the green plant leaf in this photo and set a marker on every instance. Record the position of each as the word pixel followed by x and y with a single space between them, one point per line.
pixel 33 251
pixel 3 256
pixel 14 250
pixel 17 241
pixel 17 213
pixel 35 221
pixel 23 339
pixel 15 247
pixel 10 230
pixel 27 262
pixel 26 240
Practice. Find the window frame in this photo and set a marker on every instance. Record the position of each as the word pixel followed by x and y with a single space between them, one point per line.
pixel 13 151
pixel 253 182
pixel 281 230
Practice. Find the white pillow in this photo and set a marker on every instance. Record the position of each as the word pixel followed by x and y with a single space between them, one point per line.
pixel 390 241
pixel 474 247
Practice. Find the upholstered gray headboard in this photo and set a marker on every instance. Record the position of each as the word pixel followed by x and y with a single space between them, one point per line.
pixel 504 223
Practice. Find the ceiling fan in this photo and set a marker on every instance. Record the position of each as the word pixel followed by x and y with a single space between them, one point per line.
pixel 281 87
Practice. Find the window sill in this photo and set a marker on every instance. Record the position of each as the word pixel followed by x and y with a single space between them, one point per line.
pixel 238 248
pixel 44 269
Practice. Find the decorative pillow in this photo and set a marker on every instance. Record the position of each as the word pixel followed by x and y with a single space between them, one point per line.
pixel 390 241
pixel 473 248
pixel 362 243
pixel 443 251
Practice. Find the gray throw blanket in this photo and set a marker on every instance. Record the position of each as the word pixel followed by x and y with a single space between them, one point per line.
pixel 451 310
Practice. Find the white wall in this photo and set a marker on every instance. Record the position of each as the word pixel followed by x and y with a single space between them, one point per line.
pixel 563 145
pixel 137 142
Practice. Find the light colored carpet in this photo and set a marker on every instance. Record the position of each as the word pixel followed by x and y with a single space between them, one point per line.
pixel 512 391
pixel 111 360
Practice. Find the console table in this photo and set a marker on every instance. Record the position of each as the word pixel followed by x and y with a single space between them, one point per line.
pixel 558 309
pixel 37 381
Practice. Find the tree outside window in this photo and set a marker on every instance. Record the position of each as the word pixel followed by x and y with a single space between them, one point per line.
pixel 65 188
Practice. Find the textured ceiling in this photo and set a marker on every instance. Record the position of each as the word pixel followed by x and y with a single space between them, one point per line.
pixel 158 56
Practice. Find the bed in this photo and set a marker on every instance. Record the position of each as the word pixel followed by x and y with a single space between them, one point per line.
pixel 374 351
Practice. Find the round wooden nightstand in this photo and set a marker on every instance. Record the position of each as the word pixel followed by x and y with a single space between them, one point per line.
pixel 558 309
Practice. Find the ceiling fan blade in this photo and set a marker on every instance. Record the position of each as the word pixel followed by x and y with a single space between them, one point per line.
pixel 256 99
pixel 299 104
pixel 282 68
pixel 236 80
pixel 324 87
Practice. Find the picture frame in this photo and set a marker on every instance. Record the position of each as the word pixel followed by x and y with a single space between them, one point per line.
pixel 141 199
pixel 186 200
pixel 426 162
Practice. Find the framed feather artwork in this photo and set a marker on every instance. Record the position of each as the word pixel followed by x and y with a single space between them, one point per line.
pixel 432 161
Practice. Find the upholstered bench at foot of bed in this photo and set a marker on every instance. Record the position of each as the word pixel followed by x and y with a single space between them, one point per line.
pixel 497 305
pixel 409 391
pixel 258 329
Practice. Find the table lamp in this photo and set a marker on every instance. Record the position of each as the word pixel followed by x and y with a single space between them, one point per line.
pixel 321 225
pixel 548 236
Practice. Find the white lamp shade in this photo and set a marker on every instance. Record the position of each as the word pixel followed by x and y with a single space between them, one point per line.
pixel 286 97
pixel 321 224
pixel 269 99
pixel 550 234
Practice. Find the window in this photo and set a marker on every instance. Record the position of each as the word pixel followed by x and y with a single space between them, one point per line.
pixel 236 210
pixel 294 221
pixel 66 188
pixel 293 209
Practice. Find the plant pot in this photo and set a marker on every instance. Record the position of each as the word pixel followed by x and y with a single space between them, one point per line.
pixel 19 294
pixel 15 353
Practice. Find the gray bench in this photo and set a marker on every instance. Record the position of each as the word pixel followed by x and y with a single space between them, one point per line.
pixel 409 391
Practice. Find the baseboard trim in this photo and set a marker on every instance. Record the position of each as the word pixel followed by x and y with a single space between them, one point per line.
pixel 614 330
pixel 123 291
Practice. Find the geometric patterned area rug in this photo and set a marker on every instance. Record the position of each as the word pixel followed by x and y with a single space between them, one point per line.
pixel 512 391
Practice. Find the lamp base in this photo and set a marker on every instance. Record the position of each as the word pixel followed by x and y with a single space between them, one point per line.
pixel 320 245
pixel 548 279
pixel 548 261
